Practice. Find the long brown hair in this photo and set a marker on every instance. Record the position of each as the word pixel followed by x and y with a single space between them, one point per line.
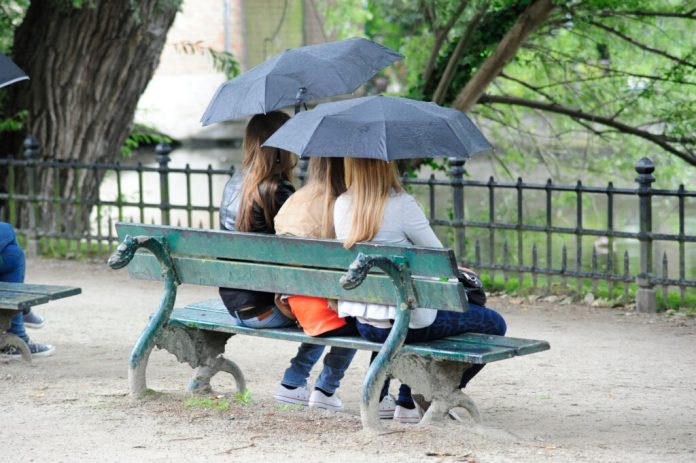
pixel 265 168
pixel 326 178
pixel 369 182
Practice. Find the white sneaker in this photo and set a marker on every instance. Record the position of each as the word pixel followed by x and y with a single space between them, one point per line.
pixel 387 407
pixel 320 400
pixel 299 395
pixel 408 416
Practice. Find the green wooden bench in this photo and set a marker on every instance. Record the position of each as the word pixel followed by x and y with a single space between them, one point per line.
pixel 405 276
pixel 15 297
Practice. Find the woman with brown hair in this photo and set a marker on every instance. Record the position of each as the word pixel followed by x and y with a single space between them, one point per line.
pixel 309 213
pixel 376 209
pixel 249 204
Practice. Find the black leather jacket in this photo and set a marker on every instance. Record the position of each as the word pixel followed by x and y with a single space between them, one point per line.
pixel 235 299
pixel 229 209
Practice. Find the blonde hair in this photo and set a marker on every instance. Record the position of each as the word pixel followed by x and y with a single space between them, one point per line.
pixel 369 182
pixel 265 168
pixel 326 180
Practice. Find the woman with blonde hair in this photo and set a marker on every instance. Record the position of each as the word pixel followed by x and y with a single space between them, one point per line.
pixel 309 213
pixel 376 209
pixel 250 202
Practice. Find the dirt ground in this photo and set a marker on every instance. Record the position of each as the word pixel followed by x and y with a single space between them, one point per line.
pixel 615 386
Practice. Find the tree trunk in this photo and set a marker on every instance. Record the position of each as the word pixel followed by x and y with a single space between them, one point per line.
pixel 533 17
pixel 88 67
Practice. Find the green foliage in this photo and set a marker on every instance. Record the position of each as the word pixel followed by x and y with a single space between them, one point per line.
pixel 598 57
pixel 11 15
pixel 219 404
pixel 345 18
pixel 13 123
pixel 243 398
pixel 142 135
pixel 223 61
pixel 289 407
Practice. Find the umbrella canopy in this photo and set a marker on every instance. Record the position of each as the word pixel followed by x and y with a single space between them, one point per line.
pixel 299 75
pixel 10 72
pixel 380 127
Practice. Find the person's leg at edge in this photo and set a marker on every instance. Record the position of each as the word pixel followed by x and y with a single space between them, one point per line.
pixel 12 269
pixel 477 319
pixel 300 366
pixel 337 361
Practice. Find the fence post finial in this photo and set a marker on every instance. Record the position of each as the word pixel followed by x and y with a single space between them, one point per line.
pixel 646 298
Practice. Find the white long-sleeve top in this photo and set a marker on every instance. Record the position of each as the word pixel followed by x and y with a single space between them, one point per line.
pixel 404 223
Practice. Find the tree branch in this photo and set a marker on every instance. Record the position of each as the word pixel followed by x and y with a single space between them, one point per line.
pixel 639 44
pixel 662 14
pixel 605 69
pixel 532 17
pixel 660 140
pixel 440 40
pixel 453 62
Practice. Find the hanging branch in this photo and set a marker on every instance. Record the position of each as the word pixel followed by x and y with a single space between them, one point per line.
pixel 535 15
pixel 440 37
pixel 640 45
pixel 662 141
pixel 453 62
pixel 663 14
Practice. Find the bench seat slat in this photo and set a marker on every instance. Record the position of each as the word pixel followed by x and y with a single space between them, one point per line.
pixel 522 346
pixel 51 291
pixel 288 250
pixel 212 315
pixel 376 289
pixel 20 301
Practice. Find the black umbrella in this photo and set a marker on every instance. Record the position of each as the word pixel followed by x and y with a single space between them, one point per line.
pixel 10 72
pixel 299 75
pixel 380 127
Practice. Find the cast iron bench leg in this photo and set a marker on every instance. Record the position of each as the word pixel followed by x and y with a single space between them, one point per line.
pixel 438 381
pixel 12 340
pixel 200 383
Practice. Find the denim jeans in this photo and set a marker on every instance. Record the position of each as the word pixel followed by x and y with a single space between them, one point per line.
pixel 275 320
pixel 12 268
pixel 336 362
pixel 477 319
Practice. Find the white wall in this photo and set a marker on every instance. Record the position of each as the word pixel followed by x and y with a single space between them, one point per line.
pixel 183 83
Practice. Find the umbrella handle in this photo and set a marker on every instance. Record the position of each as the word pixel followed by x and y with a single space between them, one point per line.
pixel 298 98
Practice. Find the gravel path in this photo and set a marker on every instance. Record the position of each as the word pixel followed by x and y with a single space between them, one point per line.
pixel 615 386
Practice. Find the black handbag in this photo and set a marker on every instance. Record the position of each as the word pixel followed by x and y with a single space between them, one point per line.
pixel 473 287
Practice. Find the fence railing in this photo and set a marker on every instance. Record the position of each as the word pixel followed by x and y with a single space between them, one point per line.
pixel 500 242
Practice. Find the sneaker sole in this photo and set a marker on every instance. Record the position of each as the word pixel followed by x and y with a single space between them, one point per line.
pixel 407 420
pixel 386 414
pixel 33 326
pixel 290 400
pixel 325 406
pixel 47 353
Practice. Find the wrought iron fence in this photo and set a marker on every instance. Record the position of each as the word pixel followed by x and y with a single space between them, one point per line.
pixel 483 242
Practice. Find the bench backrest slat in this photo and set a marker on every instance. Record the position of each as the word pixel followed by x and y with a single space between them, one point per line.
pixel 376 289
pixel 254 247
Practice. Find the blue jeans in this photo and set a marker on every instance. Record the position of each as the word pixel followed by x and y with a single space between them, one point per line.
pixel 477 319
pixel 12 268
pixel 335 363
pixel 275 320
